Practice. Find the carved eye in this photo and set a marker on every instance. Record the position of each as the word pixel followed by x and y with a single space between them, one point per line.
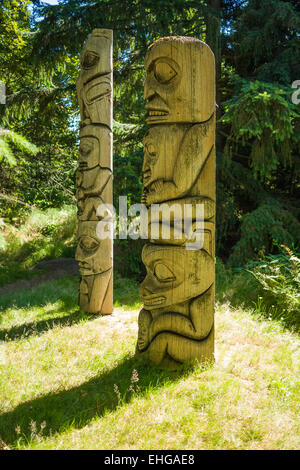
pixel 163 273
pixel 151 150
pixel 163 72
pixel 88 243
pixel 90 59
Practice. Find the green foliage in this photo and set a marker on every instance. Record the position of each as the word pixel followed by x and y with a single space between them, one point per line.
pixel 263 118
pixel 262 230
pixel 2 238
pixel 269 287
pixel 41 109
pixel 6 153
pixel 279 277
pixel 258 162
pixel 267 41
pixel 48 234
pixel 127 176
pixel 14 16
pixel 6 137
pixel 223 279
pixel 256 44
pixel 236 286
pixel 127 258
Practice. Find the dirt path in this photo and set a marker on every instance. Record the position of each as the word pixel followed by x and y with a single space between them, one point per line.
pixel 55 269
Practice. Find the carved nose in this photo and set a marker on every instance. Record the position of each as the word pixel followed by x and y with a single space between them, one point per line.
pixel 144 290
pixel 78 254
pixel 149 92
pixel 146 165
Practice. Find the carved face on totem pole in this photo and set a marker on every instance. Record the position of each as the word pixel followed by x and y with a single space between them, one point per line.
pixel 95 147
pixel 161 149
pixel 91 252
pixel 179 84
pixel 94 84
pixel 174 275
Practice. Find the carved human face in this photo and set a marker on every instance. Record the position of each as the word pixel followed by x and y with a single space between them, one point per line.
pixel 89 153
pixel 151 156
pixel 94 84
pixel 87 208
pixel 95 148
pixel 180 81
pixel 174 275
pixel 92 253
pixel 96 56
pixel 161 150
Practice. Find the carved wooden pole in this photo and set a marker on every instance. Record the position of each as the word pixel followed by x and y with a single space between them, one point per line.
pixel 177 321
pixel 94 175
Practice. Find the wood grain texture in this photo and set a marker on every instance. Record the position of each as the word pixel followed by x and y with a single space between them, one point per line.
pixel 176 323
pixel 94 174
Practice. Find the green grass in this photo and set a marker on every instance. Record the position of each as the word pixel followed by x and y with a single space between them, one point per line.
pixel 43 235
pixel 72 381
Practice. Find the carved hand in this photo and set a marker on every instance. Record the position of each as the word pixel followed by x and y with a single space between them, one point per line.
pixel 144 196
pixel 155 193
pixel 163 191
pixel 144 321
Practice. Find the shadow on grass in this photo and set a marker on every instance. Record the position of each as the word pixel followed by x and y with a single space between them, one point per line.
pixel 76 407
pixel 126 293
pixel 35 328
pixel 64 290
pixel 61 292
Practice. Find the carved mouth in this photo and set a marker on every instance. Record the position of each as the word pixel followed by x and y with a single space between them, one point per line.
pixel 157 108
pixel 150 301
pixel 84 267
pixel 153 112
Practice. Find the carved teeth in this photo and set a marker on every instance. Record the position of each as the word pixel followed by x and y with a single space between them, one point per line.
pixel 155 301
pixel 157 113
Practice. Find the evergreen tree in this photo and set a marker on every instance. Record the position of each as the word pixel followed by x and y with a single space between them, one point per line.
pixel 259 158
pixel 256 44
pixel 39 109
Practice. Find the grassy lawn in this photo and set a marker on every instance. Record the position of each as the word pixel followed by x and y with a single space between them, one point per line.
pixel 72 381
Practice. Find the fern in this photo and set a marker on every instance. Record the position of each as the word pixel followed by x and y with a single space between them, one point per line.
pixel 8 137
pixel 279 277
pixel 6 152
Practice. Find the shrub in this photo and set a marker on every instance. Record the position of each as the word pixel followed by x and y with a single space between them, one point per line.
pixel 43 235
pixel 279 278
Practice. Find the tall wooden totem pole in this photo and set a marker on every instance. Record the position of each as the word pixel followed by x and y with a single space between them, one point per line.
pixel 177 321
pixel 94 174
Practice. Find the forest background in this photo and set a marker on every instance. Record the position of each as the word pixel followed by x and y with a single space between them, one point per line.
pixel 70 380
pixel 257 50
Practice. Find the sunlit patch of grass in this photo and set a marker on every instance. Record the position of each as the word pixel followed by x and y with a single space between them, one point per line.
pixel 44 234
pixel 73 381
pixel 127 294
